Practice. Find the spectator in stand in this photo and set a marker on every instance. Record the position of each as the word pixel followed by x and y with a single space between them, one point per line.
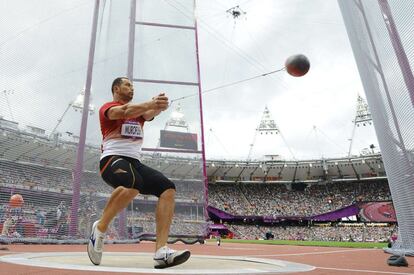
pixel 277 200
pixel 314 233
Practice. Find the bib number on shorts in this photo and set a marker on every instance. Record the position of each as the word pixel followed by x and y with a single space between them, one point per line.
pixel 131 129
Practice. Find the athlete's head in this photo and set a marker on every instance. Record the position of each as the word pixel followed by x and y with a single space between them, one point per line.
pixel 122 89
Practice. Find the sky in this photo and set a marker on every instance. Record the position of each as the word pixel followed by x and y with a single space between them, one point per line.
pixel 44 47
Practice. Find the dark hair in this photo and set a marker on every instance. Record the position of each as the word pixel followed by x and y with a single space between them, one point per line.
pixel 117 82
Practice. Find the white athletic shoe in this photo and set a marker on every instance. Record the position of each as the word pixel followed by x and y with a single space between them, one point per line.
pixel 95 244
pixel 166 257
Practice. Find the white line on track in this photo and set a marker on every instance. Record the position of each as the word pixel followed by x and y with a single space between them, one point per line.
pixel 241 248
pixel 200 264
pixel 364 270
pixel 310 253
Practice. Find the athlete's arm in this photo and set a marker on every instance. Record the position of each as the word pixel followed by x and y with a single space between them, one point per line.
pixel 150 114
pixel 132 110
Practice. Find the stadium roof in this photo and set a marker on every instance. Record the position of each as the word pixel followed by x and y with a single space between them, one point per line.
pixel 36 148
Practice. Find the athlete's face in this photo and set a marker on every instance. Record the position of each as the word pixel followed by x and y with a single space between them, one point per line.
pixel 125 91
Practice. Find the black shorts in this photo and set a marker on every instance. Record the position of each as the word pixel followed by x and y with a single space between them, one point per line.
pixel 131 173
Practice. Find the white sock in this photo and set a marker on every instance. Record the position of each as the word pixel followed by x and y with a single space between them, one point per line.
pixel 161 250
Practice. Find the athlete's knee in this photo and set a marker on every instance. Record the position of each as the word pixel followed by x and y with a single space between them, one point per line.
pixel 168 194
pixel 129 193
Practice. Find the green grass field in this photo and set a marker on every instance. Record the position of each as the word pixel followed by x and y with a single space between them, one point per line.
pixel 308 243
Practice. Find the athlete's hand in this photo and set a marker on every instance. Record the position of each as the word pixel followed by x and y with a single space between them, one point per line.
pixel 160 102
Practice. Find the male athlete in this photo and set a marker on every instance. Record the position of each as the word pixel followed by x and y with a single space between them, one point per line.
pixel 122 125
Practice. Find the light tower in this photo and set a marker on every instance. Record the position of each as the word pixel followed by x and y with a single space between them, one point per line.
pixel 177 119
pixel 363 115
pixel 362 118
pixel 267 126
pixel 77 105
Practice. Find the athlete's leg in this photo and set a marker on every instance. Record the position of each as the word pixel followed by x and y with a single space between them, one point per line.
pixel 157 184
pixel 165 256
pixel 164 215
pixel 120 173
pixel 120 198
